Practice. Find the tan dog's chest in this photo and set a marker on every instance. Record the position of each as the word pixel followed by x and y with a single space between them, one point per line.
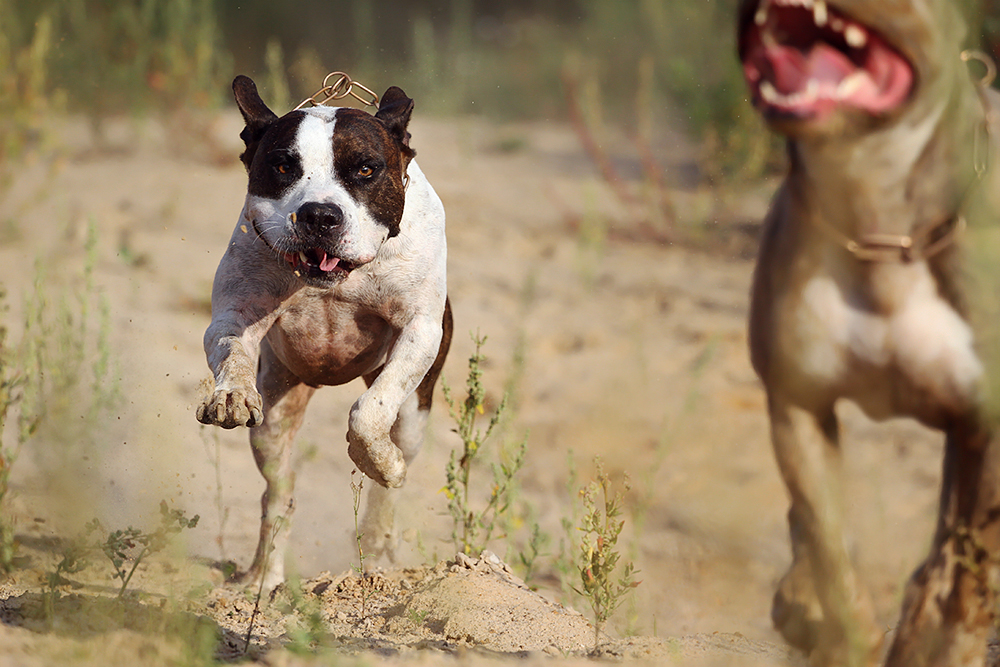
pixel 890 342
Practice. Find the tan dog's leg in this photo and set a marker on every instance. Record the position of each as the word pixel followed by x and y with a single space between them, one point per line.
pixel 285 400
pixel 378 534
pixel 950 602
pixel 808 454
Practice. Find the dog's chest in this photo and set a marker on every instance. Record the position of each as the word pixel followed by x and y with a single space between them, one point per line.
pixel 892 357
pixel 325 341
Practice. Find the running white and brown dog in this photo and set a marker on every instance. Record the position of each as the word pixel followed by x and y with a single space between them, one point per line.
pixel 859 294
pixel 335 271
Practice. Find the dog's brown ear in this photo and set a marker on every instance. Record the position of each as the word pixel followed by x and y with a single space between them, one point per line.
pixel 394 110
pixel 255 113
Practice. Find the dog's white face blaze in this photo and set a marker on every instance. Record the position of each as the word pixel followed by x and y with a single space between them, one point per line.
pixel 360 236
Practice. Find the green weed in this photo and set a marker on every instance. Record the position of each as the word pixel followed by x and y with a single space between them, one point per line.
pixel 473 529
pixel 309 629
pixel 366 590
pixel 120 545
pixel 19 373
pixel 57 380
pixel 565 561
pixel 598 553
pixel 417 616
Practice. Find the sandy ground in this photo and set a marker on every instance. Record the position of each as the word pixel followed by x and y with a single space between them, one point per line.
pixel 612 343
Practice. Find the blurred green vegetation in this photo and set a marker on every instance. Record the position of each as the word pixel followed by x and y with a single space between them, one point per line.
pixel 643 62
pixel 504 60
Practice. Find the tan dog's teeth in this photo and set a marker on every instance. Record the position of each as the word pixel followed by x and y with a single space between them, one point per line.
pixel 302 257
pixel 837 25
pixel 760 18
pixel 851 84
pixel 769 93
pixel 855 36
pixel 820 13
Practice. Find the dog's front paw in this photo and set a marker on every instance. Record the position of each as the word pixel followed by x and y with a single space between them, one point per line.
pixel 230 408
pixel 378 458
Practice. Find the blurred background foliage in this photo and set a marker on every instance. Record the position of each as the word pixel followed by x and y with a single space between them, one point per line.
pixel 638 63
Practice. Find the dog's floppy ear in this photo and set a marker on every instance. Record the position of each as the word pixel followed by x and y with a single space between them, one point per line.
pixel 394 110
pixel 255 113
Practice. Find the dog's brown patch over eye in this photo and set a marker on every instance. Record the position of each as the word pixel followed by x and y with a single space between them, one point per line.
pixel 274 168
pixel 368 161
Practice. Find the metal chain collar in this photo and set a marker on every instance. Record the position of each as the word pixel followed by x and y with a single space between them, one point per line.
pixel 338 90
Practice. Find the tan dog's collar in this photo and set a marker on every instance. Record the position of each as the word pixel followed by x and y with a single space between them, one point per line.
pixel 928 240
pixel 924 243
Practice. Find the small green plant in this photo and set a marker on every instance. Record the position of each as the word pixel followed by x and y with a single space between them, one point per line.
pixel 74 559
pixel 120 544
pixel 14 376
pixel 528 557
pixel 473 529
pixel 565 559
pixel 598 554
pixel 366 590
pixel 45 378
pixel 309 629
pixel 117 547
pixel 418 616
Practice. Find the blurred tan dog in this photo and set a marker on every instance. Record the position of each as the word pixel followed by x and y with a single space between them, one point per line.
pixel 857 296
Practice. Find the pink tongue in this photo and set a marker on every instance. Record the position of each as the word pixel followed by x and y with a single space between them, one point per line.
pixel 327 263
pixel 792 69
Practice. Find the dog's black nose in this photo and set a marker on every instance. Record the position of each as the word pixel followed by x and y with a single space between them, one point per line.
pixel 320 217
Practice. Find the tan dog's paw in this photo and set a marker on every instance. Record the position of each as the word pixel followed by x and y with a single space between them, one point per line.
pixel 230 408
pixel 378 458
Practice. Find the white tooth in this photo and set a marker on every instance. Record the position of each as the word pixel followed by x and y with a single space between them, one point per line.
pixel 769 93
pixel 760 18
pixel 302 257
pixel 851 84
pixel 819 13
pixel 811 92
pixel 855 36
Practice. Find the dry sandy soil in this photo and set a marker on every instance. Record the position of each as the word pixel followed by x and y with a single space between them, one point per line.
pixel 617 344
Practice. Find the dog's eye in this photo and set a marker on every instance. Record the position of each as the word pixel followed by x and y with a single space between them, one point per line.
pixel 282 168
pixel 365 171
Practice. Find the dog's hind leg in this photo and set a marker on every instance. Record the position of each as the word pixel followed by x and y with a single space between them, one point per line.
pixel 820 606
pixel 378 535
pixel 285 399
pixel 950 604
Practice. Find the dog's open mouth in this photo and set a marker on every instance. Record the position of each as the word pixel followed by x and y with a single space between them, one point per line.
pixel 316 263
pixel 804 58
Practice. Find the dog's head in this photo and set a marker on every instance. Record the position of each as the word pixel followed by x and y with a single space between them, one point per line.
pixel 326 185
pixel 848 66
